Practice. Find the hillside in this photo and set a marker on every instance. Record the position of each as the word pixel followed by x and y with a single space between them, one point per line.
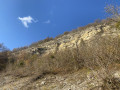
pixel 73 38
pixel 84 59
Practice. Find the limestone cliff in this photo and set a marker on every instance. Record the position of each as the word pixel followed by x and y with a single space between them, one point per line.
pixel 74 38
pixel 83 79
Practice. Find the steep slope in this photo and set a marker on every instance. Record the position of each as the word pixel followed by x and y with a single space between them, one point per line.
pixel 74 38
pixel 80 78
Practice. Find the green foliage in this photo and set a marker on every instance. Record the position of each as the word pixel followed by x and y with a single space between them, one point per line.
pixel 117 25
pixel 21 63
pixel 52 56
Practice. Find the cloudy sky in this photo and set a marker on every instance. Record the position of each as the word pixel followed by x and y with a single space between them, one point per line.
pixel 25 21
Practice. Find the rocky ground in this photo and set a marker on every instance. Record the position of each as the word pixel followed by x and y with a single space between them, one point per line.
pixel 80 80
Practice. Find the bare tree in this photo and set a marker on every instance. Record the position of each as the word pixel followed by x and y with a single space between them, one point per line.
pixel 99 56
pixel 3 56
pixel 113 10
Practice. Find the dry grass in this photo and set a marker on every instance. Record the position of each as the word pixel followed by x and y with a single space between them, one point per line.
pixel 102 53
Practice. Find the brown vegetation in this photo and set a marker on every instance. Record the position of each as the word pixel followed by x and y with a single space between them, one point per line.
pixel 101 55
pixel 3 57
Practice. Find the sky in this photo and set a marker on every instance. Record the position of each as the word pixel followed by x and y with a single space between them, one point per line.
pixel 23 22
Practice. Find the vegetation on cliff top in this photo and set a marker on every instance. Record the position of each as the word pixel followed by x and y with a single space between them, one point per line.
pixel 102 53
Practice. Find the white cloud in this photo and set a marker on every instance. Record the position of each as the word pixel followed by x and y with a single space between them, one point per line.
pixel 26 20
pixel 47 22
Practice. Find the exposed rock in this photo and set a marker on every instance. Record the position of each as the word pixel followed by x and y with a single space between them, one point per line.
pixel 73 38
pixel 74 81
pixel 43 83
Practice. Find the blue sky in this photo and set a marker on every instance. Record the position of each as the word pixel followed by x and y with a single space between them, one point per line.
pixel 23 22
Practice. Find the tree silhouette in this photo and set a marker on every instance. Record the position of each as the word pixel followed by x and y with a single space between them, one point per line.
pixel 3 56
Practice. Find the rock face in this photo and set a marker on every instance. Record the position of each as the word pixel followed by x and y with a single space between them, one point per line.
pixel 80 80
pixel 73 38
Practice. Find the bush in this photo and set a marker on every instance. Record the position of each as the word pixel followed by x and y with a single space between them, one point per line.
pixel 65 33
pixel 21 63
pixel 117 25
pixel 100 55
pixel 42 41
pixel 114 12
pixel 3 57
pixel 111 83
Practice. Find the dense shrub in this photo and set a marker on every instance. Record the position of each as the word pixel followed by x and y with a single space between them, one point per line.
pixel 3 60
pixel 111 83
pixel 3 57
pixel 101 56
pixel 118 25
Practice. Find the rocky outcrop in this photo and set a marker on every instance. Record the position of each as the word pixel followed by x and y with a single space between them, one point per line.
pixel 70 40
pixel 81 80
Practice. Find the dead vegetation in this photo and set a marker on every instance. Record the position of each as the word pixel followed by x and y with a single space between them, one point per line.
pixel 3 57
pixel 101 54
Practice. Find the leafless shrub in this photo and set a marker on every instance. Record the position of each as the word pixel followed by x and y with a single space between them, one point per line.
pixel 19 49
pixel 65 33
pixel 3 57
pixel 101 54
pixel 41 41
pixel 114 12
pixel 61 62
pixel 111 83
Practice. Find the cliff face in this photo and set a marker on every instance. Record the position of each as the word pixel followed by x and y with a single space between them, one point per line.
pixel 73 38
pixel 82 79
